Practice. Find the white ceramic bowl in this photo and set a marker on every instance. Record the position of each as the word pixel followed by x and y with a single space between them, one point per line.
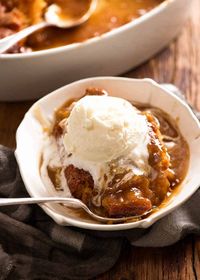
pixel 30 139
pixel 32 75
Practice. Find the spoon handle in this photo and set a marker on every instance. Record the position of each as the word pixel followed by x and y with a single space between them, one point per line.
pixel 72 202
pixel 10 41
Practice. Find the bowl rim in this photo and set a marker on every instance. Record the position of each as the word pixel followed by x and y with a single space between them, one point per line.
pixel 143 18
pixel 59 218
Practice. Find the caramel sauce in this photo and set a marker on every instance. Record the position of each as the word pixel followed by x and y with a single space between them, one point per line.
pixel 54 175
pixel 72 9
pixel 108 16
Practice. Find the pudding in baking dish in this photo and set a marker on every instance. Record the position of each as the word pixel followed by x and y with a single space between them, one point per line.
pixel 18 14
pixel 121 159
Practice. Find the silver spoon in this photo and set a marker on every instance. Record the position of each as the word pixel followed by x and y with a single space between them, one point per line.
pixel 71 202
pixel 52 18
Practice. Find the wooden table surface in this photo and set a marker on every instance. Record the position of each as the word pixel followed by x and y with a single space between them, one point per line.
pixel 178 64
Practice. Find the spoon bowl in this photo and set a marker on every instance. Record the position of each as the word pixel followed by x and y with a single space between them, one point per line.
pixel 55 17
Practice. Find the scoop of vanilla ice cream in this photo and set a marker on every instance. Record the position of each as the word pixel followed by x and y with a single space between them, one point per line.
pixel 103 128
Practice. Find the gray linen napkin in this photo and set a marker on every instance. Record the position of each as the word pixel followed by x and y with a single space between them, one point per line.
pixel 32 246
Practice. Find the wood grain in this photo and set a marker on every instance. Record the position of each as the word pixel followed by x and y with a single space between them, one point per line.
pixel 11 115
pixel 178 64
pixel 171 263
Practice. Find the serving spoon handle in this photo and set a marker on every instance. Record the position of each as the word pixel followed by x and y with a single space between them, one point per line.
pixel 8 42
pixel 73 202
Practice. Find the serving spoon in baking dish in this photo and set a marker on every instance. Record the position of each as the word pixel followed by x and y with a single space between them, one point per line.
pixel 54 16
pixel 70 202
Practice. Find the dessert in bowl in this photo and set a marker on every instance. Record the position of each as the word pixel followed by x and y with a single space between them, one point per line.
pixel 126 37
pixel 120 145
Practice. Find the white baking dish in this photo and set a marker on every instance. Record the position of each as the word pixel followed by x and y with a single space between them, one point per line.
pixel 32 75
